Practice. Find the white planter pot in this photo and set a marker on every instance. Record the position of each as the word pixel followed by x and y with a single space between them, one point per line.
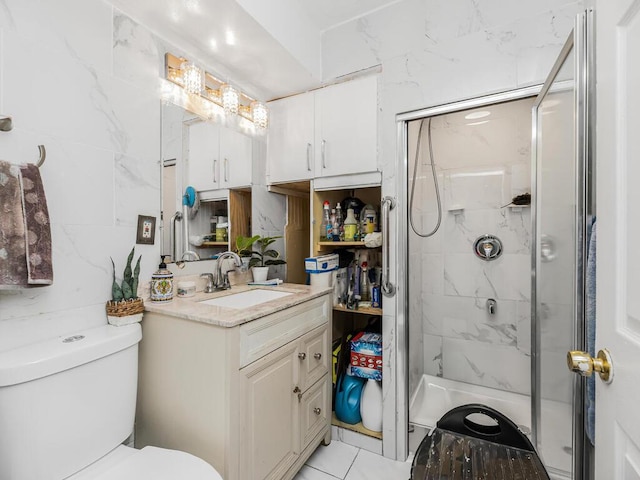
pixel 260 274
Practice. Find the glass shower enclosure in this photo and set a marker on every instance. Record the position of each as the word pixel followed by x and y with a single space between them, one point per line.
pixel 496 330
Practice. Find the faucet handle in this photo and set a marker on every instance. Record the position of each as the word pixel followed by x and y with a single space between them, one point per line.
pixel 210 282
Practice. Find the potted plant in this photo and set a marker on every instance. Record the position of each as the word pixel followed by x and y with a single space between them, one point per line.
pixel 244 249
pixel 261 258
pixel 125 306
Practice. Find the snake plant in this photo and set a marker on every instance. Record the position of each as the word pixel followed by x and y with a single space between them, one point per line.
pixel 128 288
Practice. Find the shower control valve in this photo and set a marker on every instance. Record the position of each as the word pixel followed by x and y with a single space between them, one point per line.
pixel 487 247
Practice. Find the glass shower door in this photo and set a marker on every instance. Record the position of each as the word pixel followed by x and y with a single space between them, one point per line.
pixel 560 219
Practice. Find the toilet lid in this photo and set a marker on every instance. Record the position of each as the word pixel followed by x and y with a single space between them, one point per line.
pixel 153 463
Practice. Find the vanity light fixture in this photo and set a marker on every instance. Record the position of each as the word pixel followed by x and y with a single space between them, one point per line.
pixel 230 99
pixel 206 86
pixel 192 78
pixel 259 114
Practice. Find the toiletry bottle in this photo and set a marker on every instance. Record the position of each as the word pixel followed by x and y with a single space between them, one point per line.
pixel 365 295
pixel 331 235
pixel 326 221
pixel 338 228
pixel 162 284
pixel 350 226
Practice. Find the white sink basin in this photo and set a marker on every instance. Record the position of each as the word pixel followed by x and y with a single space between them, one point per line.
pixel 245 299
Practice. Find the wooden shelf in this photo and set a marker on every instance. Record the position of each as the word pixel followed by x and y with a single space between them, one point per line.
pixel 341 244
pixel 215 244
pixel 355 428
pixel 362 310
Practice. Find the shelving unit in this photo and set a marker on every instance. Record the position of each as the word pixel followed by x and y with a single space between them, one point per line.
pixel 345 320
pixel 358 427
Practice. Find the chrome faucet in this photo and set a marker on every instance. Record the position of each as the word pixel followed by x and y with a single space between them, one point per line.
pixel 208 288
pixel 221 281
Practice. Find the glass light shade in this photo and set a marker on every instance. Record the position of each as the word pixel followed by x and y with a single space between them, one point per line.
pixel 230 99
pixel 192 78
pixel 259 114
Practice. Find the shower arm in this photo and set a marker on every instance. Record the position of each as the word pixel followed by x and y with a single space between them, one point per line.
pixel 388 204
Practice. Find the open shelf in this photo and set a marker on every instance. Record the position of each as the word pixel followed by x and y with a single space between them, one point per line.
pixel 341 244
pixel 362 310
pixel 215 244
pixel 355 428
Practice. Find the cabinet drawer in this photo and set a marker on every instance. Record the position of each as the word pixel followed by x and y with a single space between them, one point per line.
pixel 264 335
pixel 314 356
pixel 315 410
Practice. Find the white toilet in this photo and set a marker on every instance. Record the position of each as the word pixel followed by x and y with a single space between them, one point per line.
pixel 66 406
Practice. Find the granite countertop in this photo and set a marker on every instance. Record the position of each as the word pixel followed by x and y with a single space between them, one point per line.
pixel 189 308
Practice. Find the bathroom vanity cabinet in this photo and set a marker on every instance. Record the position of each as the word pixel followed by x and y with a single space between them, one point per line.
pixel 253 399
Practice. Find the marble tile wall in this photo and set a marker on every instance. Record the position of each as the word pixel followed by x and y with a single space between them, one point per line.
pixel 66 79
pixel 481 164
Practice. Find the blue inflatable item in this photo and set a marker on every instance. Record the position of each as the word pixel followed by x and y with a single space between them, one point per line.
pixel 348 392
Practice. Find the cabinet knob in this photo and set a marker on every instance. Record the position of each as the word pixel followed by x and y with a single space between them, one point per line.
pixel 317 356
pixel 302 355
pixel 317 410
pixel 297 389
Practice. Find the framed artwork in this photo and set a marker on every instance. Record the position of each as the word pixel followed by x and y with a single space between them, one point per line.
pixel 146 230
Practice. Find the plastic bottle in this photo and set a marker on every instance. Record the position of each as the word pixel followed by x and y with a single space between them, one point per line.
pixel 365 294
pixel 338 227
pixel 350 226
pixel 331 234
pixel 325 226
pixel 371 406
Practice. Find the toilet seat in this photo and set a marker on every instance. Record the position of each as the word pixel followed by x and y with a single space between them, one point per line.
pixel 149 463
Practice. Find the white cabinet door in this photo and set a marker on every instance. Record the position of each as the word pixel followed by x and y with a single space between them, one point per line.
pixel 290 139
pixel 203 165
pixel 346 128
pixel 270 438
pixel 235 159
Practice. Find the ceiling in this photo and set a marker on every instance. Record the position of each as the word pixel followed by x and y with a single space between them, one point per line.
pixel 269 49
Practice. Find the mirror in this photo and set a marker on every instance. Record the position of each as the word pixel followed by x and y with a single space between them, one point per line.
pixel 248 211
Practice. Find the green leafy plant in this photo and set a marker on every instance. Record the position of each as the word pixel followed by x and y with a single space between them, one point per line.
pixel 263 256
pixel 244 245
pixel 128 288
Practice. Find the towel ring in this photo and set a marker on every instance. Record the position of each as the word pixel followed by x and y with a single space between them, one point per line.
pixel 6 125
pixel 43 155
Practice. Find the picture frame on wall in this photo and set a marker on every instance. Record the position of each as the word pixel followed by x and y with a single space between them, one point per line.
pixel 146 232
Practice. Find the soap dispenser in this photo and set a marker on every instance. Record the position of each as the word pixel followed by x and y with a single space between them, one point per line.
pixel 162 284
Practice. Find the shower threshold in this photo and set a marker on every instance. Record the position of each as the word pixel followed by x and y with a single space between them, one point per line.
pixel 435 396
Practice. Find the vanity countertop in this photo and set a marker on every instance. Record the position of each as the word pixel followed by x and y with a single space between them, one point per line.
pixel 190 308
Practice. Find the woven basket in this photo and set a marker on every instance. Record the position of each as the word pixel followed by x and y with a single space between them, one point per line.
pixel 125 307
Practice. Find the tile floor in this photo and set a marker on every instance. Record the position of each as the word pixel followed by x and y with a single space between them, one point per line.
pixel 345 462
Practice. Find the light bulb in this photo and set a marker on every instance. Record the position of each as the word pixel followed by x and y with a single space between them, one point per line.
pixel 230 99
pixel 192 78
pixel 259 114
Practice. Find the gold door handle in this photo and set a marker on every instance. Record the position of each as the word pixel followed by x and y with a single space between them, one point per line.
pixel 584 364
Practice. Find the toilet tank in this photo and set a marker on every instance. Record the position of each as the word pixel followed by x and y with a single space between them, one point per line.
pixel 66 402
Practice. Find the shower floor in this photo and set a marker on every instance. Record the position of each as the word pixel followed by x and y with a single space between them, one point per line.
pixel 435 396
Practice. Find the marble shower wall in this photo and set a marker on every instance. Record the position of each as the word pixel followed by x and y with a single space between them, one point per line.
pixel 482 163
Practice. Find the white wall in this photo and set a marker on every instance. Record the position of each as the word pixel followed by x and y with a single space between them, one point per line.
pixel 80 79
